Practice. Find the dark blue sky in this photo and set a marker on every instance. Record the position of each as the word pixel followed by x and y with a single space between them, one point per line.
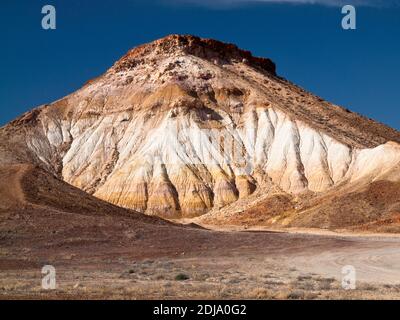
pixel 356 69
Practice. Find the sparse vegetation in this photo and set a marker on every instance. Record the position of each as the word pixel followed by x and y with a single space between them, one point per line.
pixel 296 295
pixel 325 283
pixel 182 277
pixel 304 277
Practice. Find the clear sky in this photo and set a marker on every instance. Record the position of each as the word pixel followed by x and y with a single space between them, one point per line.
pixel 358 69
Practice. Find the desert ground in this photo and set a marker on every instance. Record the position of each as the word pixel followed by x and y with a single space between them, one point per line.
pixel 110 261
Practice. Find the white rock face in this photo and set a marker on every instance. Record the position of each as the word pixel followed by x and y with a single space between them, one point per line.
pixel 178 167
pixel 174 132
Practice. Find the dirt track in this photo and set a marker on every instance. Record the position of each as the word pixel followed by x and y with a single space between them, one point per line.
pixel 375 260
pixel 376 257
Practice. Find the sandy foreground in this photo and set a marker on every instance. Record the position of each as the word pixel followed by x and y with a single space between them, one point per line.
pixel 208 264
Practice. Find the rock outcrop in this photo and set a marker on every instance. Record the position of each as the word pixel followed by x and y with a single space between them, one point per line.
pixel 184 125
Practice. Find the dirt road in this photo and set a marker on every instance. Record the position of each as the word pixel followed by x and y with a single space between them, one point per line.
pixel 375 260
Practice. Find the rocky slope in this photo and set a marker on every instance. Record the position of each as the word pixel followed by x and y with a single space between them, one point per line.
pixel 185 125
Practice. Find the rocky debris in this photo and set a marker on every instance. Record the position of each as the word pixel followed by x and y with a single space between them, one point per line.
pixel 191 45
